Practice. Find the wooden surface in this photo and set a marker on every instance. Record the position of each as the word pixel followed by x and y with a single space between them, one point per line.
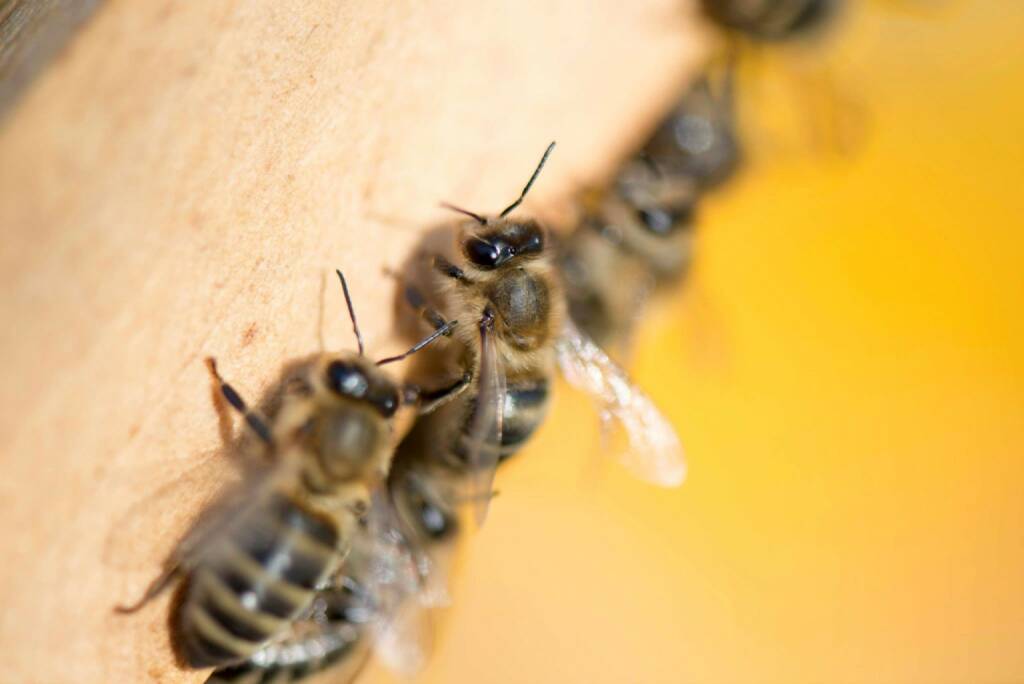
pixel 177 183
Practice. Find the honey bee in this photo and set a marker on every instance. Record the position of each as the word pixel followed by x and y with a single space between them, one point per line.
pixel 396 569
pixel 696 144
pixel 772 20
pixel 376 602
pixel 508 282
pixel 257 566
pixel 638 235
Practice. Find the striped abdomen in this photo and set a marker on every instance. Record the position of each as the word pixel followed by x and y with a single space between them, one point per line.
pixel 316 656
pixel 256 581
pixel 526 403
pixel 333 636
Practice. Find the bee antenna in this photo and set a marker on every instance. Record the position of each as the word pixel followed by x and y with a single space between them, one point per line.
pixel 351 311
pixel 529 183
pixel 443 330
pixel 477 217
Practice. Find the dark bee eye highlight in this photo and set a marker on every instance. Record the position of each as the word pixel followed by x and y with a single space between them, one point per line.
pixel 387 404
pixel 482 253
pixel 658 221
pixel 433 520
pixel 533 244
pixel 346 380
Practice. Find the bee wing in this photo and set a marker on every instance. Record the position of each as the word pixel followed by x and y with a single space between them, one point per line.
pixel 233 510
pixel 403 641
pixel 484 437
pixel 313 636
pixel 228 516
pixel 396 581
pixel 654 453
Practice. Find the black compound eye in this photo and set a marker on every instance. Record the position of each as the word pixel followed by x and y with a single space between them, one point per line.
pixel 658 221
pixel 433 520
pixel 482 253
pixel 346 380
pixel 387 404
pixel 533 244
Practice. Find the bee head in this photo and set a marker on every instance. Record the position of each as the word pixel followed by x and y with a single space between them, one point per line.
pixel 497 241
pixel 502 241
pixel 358 379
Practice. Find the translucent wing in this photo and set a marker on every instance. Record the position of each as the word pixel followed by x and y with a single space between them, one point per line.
pixel 654 454
pixel 332 632
pixel 236 507
pixel 230 515
pixel 374 602
pixel 395 580
pixel 313 638
pixel 483 445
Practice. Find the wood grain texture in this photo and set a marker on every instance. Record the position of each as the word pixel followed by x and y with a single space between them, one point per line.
pixel 177 184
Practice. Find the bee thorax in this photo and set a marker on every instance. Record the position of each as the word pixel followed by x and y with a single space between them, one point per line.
pixel 523 306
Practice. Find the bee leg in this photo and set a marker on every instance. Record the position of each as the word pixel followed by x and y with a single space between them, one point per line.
pixel 156 587
pixel 418 302
pixel 450 270
pixel 429 400
pixel 253 419
pixel 444 330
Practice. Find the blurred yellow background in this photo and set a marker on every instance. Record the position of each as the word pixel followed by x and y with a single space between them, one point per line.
pixel 846 367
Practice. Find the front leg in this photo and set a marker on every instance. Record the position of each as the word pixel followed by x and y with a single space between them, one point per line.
pixel 429 400
pixel 252 418
pixel 446 268
pixel 418 303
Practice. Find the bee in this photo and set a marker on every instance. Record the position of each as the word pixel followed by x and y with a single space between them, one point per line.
pixel 638 236
pixel 772 20
pixel 508 282
pixel 696 144
pixel 376 603
pixel 255 567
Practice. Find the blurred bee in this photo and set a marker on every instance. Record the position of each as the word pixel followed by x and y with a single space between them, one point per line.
pixel 696 145
pixel 831 121
pixel 509 283
pixel 772 20
pixel 638 235
pixel 258 565
pixel 776 21
pixel 377 602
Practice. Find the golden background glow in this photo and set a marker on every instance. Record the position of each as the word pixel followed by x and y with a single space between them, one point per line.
pixel 846 368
